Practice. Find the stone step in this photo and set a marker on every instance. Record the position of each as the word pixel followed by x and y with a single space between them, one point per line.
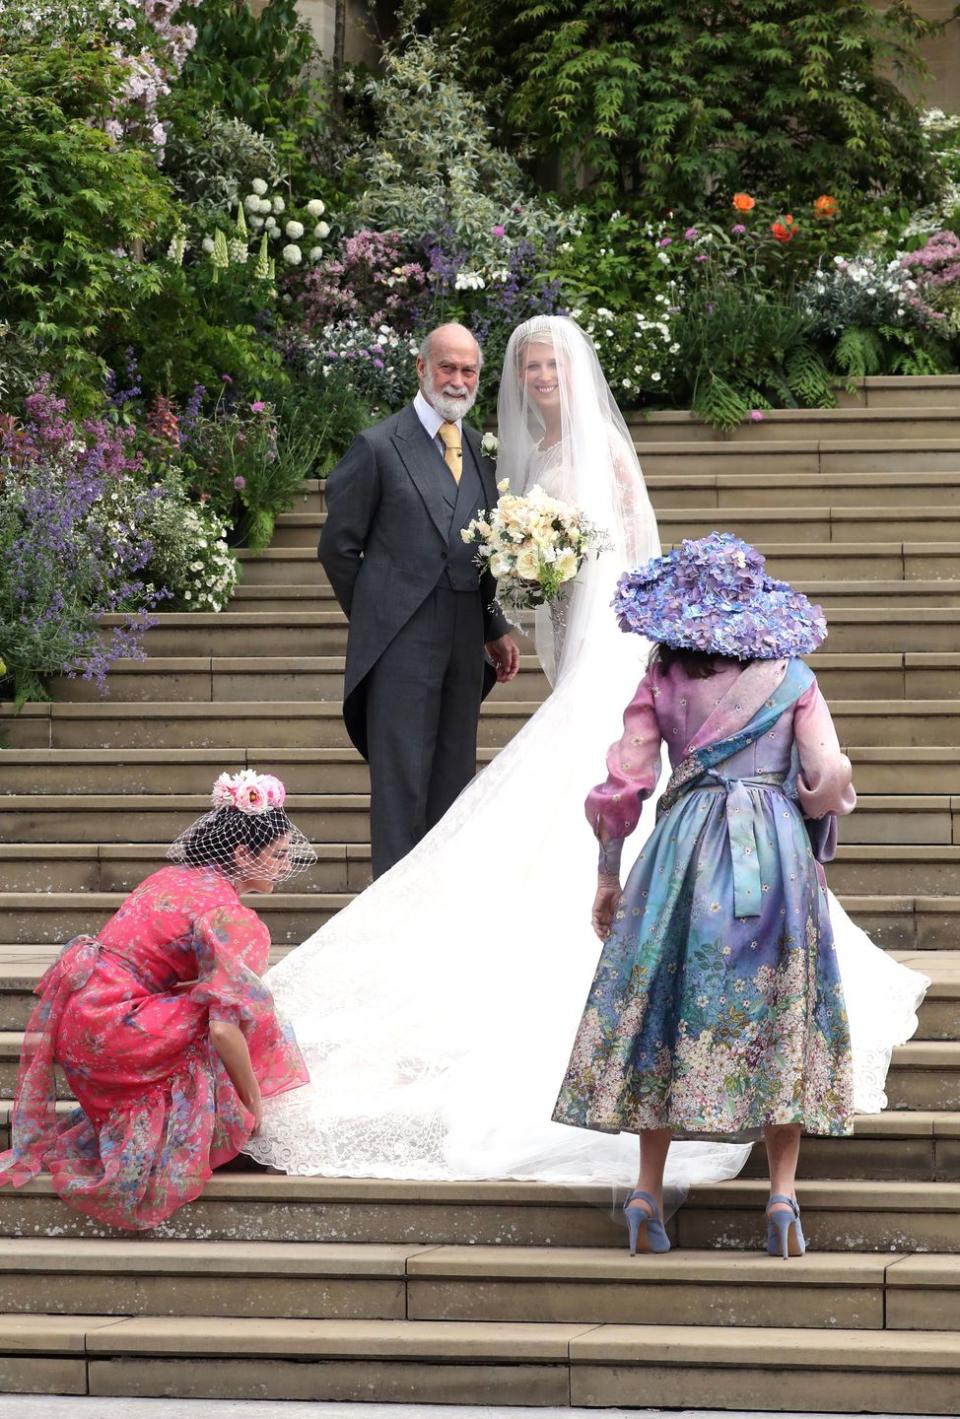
pixel 811 523
pixel 856 562
pixel 832 595
pixel 793 456
pixel 815 523
pixel 849 427
pixel 283 596
pixel 293 724
pixel 492 1364
pixel 896 596
pixel 788 557
pixel 222 679
pixel 103 866
pixel 670 492
pixel 873 869
pixel 878 770
pixel 343 868
pixel 287 565
pixel 306 724
pixel 843 674
pixel 892 821
pixel 839 1215
pixel 324 1281
pixel 901 392
pixel 244 635
pixel 119 772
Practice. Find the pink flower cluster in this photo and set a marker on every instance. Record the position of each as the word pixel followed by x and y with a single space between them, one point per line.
pixel 369 281
pixel 938 263
pixel 248 791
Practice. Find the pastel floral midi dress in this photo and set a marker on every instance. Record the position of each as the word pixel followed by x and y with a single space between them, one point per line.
pixel 126 1016
pixel 717 1007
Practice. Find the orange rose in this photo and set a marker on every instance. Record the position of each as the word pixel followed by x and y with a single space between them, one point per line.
pixel 826 206
pixel 784 230
pixel 743 202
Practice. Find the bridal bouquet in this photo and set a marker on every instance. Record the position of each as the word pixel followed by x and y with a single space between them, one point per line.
pixel 532 545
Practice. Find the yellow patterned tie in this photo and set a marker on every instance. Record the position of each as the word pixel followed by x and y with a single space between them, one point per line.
pixel 453 457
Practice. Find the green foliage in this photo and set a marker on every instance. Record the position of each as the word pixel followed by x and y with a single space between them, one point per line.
pixel 259 69
pixel 75 210
pixel 859 352
pixel 212 158
pixel 742 350
pixel 430 167
pixel 674 105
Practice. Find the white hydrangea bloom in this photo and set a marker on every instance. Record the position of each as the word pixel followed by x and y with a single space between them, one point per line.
pixel 321 230
pixel 292 254
pixel 259 186
pixel 316 208
pixel 278 205
pixel 294 230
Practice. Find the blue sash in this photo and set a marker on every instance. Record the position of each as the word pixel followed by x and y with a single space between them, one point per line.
pixel 698 771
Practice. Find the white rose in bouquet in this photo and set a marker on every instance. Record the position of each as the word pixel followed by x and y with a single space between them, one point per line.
pixel 528 564
pixel 533 545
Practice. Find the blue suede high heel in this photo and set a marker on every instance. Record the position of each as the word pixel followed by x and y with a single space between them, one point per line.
pixel 651 1223
pixel 784 1233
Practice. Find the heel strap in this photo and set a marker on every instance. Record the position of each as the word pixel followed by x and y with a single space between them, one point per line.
pixel 782 1197
pixel 644 1197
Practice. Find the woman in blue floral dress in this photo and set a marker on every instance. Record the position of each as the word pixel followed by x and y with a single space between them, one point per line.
pixel 717 1010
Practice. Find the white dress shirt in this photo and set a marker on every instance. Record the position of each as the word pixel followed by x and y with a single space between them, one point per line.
pixel 431 421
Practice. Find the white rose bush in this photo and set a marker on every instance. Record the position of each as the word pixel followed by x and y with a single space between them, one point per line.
pixel 533 545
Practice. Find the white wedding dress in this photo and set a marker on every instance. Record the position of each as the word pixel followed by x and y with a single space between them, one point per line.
pixel 436 1012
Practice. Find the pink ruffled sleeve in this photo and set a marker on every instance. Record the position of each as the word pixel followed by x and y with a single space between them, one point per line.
pixel 825 780
pixel 233 948
pixel 633 767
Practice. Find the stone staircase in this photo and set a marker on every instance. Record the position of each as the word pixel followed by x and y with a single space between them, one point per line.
pixel 505 1293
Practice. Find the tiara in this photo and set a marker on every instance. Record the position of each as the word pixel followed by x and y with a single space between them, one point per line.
pixel 248 791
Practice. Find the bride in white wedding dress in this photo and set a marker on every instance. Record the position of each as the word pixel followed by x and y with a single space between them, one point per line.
pixel 436 1012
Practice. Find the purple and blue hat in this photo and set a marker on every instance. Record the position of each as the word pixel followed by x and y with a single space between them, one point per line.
pixel 713 595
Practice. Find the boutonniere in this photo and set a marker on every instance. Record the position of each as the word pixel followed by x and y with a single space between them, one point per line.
pixel 489 445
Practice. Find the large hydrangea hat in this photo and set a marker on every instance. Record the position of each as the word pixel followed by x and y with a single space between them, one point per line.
pixel 713 595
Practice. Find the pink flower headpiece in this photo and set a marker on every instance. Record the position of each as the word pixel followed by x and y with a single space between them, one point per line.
pixel 248 791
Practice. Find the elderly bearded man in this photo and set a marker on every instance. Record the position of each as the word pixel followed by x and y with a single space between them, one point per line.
pixel 425 644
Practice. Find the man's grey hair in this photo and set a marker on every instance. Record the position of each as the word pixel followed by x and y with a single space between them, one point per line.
pixel 427 342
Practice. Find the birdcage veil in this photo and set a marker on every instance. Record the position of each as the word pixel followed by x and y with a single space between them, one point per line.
pixel 247 813
pixel 592 465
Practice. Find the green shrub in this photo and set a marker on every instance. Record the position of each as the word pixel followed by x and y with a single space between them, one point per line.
pixel 668 104
pixel 76 210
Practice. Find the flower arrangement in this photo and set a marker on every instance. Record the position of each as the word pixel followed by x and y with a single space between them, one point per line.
pixel 532 545
pixel 248 791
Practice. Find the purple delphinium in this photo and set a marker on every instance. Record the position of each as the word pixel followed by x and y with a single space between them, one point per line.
pixel 70 527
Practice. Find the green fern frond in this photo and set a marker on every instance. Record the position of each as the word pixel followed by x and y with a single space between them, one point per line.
pixel 719 403
pixel 809 379
pixel 859 352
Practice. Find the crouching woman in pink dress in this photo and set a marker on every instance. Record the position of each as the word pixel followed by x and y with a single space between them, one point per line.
pixel 167 1036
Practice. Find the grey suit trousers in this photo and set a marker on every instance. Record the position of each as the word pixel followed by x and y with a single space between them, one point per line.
pixel 422 706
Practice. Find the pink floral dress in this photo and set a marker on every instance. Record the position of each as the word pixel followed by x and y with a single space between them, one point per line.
pixel 158 1111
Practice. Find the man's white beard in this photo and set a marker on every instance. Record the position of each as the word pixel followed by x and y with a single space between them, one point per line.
pixel 449 408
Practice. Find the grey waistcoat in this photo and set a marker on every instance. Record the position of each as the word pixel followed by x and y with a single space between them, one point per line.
pixel 464 502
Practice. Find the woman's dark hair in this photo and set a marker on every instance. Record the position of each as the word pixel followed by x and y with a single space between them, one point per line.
pixel 228 828
pixel 698 664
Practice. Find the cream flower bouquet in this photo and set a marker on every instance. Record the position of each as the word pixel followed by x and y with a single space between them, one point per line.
pixel 532 545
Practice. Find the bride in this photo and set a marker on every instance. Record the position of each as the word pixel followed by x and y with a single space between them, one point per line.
pixel 435 1012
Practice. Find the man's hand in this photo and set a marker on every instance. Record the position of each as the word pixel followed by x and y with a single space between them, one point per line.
pixel 505 657
pixel 605 904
